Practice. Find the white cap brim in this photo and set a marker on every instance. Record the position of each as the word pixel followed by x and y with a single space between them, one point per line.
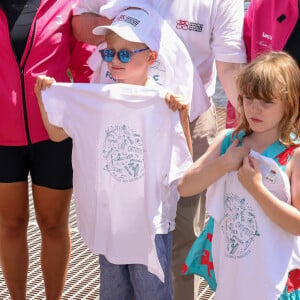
pixel 125 32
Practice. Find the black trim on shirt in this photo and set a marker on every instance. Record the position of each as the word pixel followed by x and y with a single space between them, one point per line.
pixel 292 45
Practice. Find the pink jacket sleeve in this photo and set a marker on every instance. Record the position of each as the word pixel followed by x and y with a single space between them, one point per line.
pixel 79 68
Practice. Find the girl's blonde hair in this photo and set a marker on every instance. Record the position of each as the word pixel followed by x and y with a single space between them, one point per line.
pixel 274 75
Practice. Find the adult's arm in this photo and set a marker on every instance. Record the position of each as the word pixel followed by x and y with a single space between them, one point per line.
pixel 227 73
pixel 87 16
pixel 79 54
pixel 83 25
pixel 228 45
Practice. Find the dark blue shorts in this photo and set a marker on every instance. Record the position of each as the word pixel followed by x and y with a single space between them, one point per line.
pixel 49 164
pixel 126 282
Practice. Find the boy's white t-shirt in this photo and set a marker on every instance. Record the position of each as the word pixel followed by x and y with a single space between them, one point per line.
pixel 252 255
pixel 129 151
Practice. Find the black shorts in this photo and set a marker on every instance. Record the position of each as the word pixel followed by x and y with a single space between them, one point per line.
pixel 49 164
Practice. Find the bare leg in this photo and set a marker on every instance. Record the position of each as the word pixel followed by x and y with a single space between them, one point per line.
pixel 14 214
pixel 52 212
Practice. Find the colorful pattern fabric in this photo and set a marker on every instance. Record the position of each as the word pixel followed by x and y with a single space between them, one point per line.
pixel 199 260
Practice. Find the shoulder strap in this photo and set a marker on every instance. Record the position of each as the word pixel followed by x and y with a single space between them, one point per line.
pixel 284 156
pixel 228 140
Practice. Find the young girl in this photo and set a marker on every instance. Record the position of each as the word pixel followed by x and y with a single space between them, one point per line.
pixel 129 151
pixel 255 202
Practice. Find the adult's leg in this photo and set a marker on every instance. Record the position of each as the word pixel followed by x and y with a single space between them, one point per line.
pixel 191 212
pixel 52 214
pixel 14 214
pixel 51 174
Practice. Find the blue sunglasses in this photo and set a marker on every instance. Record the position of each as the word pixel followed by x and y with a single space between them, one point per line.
pixel 123 55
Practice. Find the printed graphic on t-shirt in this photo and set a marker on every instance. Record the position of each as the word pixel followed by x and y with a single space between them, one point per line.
pixel 239 226
pixel 123 152
pixel 158 72
pixel 190 26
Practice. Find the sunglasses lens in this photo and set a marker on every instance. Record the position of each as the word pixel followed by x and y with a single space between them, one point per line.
pixel 124 56
pixel 107 54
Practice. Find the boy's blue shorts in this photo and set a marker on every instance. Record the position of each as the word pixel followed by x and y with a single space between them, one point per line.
pixel 126 282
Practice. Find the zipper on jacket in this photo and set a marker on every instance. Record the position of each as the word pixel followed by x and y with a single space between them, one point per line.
pixel 24 106
pixel 21 70
pixel 23 87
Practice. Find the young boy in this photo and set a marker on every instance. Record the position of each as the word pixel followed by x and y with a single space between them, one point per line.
pixel 129 150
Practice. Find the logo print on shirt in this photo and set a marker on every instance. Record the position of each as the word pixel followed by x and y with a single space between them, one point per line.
pixel 158 72
pixel 239 226
pixel 271 176
pixel 190 26
pixel 267 36
pixel 130 20
pixel 123 152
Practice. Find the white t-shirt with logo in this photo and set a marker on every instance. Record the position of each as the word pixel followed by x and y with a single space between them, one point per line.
pixel 252 255
pixel 129 151
pixel 210 30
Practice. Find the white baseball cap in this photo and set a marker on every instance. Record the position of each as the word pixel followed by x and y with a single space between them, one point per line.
pixel 134 25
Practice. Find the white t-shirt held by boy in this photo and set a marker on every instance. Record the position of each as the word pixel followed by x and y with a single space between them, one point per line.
pixel 129 151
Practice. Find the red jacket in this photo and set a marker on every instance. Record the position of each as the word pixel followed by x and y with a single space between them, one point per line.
pixel 51 49
pixel 268 25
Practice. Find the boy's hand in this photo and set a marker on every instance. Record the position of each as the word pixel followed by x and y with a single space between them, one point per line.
pixel 56 134
pixel 42 82
pixel 176 102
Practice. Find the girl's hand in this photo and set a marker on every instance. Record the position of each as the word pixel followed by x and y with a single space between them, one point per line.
pixel 249 174
pixel 235 155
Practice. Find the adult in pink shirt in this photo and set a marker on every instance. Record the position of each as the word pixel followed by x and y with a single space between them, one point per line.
pixel 36 38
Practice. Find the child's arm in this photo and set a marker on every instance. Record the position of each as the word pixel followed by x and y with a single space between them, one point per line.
pixel 176 102
pixel 185 123
pixel 56 134
pixel 283 214
pixel 211 166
